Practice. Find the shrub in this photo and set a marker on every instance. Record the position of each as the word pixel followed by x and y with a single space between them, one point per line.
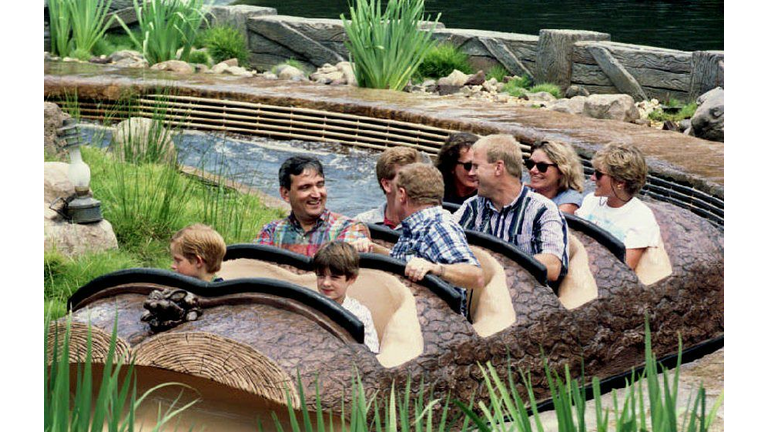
pixel 552 89
pixel 442 60
pixel 200 56
pixel 167 26
pixel 77 25
pixel 686 111
pixel 498 72
pixel 386 49
pixel 514 90
pixel 225 42
pixel 521 81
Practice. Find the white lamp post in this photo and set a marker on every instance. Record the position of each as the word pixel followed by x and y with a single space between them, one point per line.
pixel 83 208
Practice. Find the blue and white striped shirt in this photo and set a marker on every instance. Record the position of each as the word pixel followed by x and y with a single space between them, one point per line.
pixel 531 222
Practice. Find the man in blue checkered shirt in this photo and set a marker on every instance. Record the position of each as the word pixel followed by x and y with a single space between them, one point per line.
pixel 431 242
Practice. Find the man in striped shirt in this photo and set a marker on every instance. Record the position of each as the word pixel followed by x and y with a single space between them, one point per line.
pixel 507 209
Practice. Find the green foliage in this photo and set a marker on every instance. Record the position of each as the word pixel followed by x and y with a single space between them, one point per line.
pixel 521 81
pixel 387 48
pixel 77 25
pixel 552 89
pixel 167 26
pixel 225 42
pixel 569 399
pixel 441 61
pixel 202 57
pixel 112 42
pixel 515 91
pixel 498 72
pixel 80 54
pixel 80 411
pixel 685 112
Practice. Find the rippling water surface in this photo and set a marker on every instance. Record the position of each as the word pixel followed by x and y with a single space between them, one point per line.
pixel 687 25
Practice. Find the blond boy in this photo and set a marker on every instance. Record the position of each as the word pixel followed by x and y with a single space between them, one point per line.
pixel 197 251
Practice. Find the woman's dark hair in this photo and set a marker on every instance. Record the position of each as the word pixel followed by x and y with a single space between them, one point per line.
pixel 449 154
pixel 295 165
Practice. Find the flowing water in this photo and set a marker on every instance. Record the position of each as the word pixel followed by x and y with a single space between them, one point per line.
pixel 687 25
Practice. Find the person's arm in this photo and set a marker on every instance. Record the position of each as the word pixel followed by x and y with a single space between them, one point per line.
pixel 568 208
pixel 552 263
pixel 633 256
pixel 357 234
pixel 459 274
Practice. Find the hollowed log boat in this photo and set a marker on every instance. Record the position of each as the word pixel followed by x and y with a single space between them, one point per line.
pixel 265 324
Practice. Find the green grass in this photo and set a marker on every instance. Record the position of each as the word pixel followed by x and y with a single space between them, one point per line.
pixel 167 26
pixel 77 25
pixel 552 89
pixel 225 42
pixel 442 60
pixel 514 90
pixel 686 111
pixel 201 57
pixel 112 42
pixel 109 407
pixel 498 72
pixel 387 48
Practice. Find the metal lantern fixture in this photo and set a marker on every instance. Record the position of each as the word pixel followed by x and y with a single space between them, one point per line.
pixel 82 208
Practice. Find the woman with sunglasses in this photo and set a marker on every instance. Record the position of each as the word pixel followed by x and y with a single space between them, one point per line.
pixel 454 162
pixel 557 174
pixel 620 172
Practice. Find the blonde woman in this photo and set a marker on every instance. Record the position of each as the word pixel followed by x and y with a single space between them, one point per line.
pixel 557 174
pixel 620 172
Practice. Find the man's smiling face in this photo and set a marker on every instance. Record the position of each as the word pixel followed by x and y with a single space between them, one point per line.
pixel 307 195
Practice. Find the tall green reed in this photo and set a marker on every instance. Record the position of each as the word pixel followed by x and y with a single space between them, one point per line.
pixel 167 26
pixel 77 25
pixel 88 408
pixel 387 48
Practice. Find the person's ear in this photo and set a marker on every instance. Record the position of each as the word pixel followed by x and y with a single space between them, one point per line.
pixel 199 261
pixel 386 184
pixel 284 194
pixel 402 195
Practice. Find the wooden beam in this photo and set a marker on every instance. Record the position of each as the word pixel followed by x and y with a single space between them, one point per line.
pixel 621 79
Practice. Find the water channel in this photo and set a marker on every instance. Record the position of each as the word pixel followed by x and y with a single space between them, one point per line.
pixel 350 173
pixel 687 25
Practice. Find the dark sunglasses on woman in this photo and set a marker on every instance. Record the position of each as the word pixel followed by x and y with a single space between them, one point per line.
pixel 541 166
pixel 467 165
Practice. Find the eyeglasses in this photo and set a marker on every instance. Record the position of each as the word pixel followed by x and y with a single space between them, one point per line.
pixel 467 165
pixel 541 166
pixel 599 174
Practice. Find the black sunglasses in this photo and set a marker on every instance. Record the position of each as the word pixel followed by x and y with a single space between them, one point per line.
pixel 541 166
pixel 599 174
pixel 467 165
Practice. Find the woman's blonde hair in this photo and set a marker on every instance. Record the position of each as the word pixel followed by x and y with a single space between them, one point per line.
pixel 623 162
pixel 564 156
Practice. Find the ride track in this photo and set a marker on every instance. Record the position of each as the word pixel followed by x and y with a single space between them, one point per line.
pixel 256 334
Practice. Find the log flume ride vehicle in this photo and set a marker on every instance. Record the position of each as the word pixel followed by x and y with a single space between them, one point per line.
pixel 253 332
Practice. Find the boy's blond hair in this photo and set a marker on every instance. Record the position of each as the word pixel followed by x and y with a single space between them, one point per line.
pixel 203 241
pixel 339 257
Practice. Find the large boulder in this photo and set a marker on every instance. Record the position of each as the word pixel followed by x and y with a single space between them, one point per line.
pixel 143 140
pixel 292 73
pixel 574 105
pixel 613 107
pixel 174 66
pixel 457 78
pixel 68 238
pixel 53 119
pixel 708 122
pixel 128 58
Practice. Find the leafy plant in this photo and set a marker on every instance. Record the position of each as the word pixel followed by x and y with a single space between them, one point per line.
pixel 498 72
pixel 225 42
pixel 200 56
pixel 76 25
pixel 387 48
pixel 514 90
pixel 112 42
pixel 167 26
pixel 80 411
pixel 521 81
pixel 552 89
pixel 442 60
pixel 685 111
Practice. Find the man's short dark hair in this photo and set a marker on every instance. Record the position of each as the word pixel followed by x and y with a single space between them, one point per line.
pixel 295 165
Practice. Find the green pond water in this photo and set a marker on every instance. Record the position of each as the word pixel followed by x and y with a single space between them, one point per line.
pixel 687 25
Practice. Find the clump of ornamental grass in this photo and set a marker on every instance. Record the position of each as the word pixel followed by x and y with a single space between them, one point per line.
pixel 201 57
pixel 77 25
pixel 225 42
pixel 111 407
pixel 678 112
pixel 442 60
pixel 386 48
pixel 498 72
pixel 552 89
pixel 167 26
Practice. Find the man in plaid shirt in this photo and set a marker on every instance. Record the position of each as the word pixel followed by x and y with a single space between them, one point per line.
pixel 431 241
pixel 310 224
